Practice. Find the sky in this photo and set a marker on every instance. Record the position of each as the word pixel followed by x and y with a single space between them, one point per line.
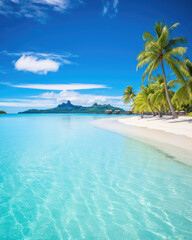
pixel 84 51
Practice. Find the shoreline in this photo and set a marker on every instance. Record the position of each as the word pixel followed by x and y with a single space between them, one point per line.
pixel 175 139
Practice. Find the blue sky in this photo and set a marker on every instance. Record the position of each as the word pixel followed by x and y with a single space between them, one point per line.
pixel 85 51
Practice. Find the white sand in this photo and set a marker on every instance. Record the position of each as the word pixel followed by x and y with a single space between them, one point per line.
pixel 172 136
pixel 181 125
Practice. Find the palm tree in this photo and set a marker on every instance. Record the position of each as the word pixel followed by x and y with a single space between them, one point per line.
pixel 142 101
pixel 159 98
pixel 184 94
pixel 129 94
pixel 159 49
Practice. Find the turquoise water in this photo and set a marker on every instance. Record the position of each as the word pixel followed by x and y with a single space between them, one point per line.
pixel 62 178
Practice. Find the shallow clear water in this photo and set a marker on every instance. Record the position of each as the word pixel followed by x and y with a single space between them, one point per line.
pixel 62 178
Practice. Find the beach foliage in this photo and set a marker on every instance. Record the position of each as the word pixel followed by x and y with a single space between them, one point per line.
pixel 129 94
pixel 162 95
pixel 184 94
pixel 161 49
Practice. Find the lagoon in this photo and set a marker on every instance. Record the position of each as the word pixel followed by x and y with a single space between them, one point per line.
pixel 63 178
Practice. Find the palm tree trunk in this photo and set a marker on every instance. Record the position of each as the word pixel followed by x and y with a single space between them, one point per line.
pixel 167 93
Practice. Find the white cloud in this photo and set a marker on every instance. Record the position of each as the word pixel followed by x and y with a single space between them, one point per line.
pixel 15 1
pixel 81 99
pixel 52 99
pixel 32 64
pixel 72 86
pixel 115 3
pixel 105 9
pixel 35 8
pixel 110 7
pixel 62 4
pixel 40 63
pixel 38 9
pixel 67 92
pixel 52 56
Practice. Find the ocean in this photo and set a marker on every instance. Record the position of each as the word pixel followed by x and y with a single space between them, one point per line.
pixel 63 178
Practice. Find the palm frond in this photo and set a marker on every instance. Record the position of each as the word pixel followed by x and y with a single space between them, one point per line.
pixel 181 95
pixel 175 42
pixel 147 36
pixel 158 28
pixel 163 39
pixel 174 25
pixel 153 68
pixel 172 83
pixel 176 51
pixel 188 65
pixel 173 65
pixel 146 60
pixel 146 72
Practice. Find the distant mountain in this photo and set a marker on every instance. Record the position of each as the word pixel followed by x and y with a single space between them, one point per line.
pixel 70 108
pixel 2 112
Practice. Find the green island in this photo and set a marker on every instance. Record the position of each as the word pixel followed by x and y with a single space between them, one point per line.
pixel 2 112
pixel 70 108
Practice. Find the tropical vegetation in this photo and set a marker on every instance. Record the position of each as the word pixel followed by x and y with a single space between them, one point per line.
pixel 163 94
pixel 129 94
pixel 2 112
pixel 70 108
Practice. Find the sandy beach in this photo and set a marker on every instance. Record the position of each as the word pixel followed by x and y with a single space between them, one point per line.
pixel 181 126
pixel 172 136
